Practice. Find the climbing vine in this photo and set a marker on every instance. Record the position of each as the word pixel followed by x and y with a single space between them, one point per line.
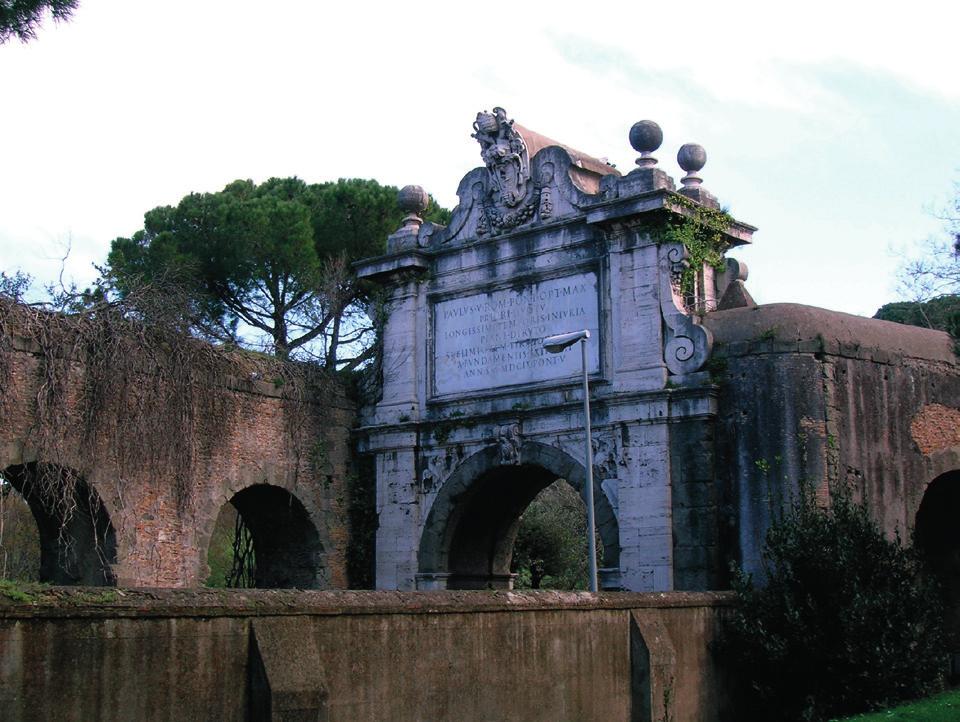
pixel 243 570
pixel 362 515
pixel 123 377
pixel 702 230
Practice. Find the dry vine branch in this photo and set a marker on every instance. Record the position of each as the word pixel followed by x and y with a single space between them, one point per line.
pixel 122 378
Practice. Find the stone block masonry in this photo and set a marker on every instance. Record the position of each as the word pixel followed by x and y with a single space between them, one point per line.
pixel 477 417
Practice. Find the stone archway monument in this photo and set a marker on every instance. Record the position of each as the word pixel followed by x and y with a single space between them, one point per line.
pixel 547 240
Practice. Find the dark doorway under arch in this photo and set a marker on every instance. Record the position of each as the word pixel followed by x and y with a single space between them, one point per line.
pixel 938 537
pixel 469 535
pixel 275 526
pixel 486 522
pixel 77 541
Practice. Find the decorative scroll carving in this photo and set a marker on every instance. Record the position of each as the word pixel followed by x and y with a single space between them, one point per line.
pixel 687 343
pixel 512 188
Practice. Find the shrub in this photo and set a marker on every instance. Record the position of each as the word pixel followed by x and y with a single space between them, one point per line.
pixel 550 551
pixel 845 622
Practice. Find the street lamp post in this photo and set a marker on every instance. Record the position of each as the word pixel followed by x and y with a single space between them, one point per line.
pixel 558 344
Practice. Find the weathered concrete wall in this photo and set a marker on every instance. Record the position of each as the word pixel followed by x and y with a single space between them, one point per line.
pixel 247 441
pixel 816 395
pixel 354 656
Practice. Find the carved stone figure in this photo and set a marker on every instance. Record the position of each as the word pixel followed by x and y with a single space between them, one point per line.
pixel 508 441
pixel 546 197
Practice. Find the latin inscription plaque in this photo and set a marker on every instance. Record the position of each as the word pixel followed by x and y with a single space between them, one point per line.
pixel 490 340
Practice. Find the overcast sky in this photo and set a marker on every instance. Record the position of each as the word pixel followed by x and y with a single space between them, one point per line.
pixel 833 127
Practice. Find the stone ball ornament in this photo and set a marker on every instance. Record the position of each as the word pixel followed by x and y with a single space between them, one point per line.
pixel 691 157
pixel 413 199
pixel 645 136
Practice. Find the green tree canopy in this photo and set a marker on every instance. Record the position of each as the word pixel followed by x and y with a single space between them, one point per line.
pixel 21 18
pixel 550 551
pixel 273 258
pixel 941 313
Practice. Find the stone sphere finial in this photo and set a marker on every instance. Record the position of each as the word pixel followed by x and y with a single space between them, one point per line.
pixel 413 200
pixel 691 157
pixel 645 137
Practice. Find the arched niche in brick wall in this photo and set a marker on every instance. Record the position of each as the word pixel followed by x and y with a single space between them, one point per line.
pixel 275 542
pixel 77 539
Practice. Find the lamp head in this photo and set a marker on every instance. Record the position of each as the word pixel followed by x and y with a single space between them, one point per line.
pixel 563 341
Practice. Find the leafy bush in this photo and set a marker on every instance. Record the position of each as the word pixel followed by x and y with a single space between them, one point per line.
pixel 846 620
pixel 551 547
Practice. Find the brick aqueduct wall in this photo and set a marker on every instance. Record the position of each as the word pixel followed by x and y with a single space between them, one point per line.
pixel 248 456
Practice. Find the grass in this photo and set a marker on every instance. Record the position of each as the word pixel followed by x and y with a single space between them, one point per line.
pixel 38 593
pixel 943 707
pixel 17 591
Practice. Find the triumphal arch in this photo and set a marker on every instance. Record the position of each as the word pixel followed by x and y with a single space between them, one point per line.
pixel 476 418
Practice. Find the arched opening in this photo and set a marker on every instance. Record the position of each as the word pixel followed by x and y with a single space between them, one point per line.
pixel 938 537
pixel 264 538
pixel 469 537
pixel 230 558
pixel 550 550
pixel 486 523
pixel 19 537
pixel 76 540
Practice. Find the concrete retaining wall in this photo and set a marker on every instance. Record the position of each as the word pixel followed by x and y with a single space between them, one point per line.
pixel 825 397
pixel 177 654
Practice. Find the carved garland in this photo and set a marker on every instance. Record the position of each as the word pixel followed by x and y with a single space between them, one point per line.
pixel 498 222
